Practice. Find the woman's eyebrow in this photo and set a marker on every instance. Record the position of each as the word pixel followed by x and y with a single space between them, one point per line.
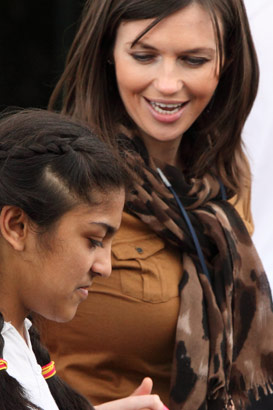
pixel 201 50
pixel 142 44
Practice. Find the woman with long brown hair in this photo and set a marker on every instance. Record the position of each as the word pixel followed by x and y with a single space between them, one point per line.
pixel 171 84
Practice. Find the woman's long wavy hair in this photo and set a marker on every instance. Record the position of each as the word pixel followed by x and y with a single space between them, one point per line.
pixel 49 164
pixel 89 91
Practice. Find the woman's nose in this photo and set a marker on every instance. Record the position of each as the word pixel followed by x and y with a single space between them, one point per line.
pixel 168 80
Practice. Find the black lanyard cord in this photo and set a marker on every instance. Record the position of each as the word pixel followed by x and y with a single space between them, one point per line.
pixel 188 222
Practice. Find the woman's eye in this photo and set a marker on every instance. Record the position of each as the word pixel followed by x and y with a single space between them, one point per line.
pixel 195 61
pixel 143 58
pixel 95 244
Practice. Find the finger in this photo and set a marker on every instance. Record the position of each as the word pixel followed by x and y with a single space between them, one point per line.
pixel 147 402
pixel 144 388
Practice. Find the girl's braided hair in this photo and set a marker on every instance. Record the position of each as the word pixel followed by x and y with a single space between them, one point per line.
pixel 48 164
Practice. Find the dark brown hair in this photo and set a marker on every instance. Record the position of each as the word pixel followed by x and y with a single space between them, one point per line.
pixel 49 163
pixel 213 142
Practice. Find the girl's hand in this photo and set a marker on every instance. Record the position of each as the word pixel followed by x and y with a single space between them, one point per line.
pixel 141 399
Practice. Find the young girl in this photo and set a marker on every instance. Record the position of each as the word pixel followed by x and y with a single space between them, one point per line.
pixel 172 83
pixel 61 198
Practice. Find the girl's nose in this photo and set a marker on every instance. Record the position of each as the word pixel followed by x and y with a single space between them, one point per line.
pixel 102 263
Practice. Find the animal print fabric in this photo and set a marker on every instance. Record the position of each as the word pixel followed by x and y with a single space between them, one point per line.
pixel 224 331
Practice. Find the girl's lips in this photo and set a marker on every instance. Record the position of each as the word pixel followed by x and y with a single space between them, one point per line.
pixel 83 292
pixel 165 112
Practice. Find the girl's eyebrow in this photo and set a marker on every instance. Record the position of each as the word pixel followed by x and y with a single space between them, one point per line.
pixel 110 230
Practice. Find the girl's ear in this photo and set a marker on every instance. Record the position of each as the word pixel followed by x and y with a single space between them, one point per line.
pixel 14 226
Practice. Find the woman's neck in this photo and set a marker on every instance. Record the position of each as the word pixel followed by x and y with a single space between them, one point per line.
pixel 167 152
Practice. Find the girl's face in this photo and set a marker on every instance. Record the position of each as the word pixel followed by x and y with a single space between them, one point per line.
pixel 168 77
pixel 57 279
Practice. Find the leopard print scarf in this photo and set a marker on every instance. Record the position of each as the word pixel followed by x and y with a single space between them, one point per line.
pixel 224 337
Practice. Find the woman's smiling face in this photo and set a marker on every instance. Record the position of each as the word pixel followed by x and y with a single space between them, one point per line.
pixel 168 77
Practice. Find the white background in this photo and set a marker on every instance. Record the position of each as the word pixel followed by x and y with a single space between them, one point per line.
pixel 258 133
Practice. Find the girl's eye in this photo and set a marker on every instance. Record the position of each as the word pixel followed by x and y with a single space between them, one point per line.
pixel 143 58
pixel 95 243
pixel 195 61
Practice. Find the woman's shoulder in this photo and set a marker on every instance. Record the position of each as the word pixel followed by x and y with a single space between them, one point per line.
pixel 242 204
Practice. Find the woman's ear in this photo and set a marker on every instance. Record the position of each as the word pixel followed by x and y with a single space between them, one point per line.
pixel 14 226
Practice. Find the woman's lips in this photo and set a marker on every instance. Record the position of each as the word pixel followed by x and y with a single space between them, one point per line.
pixel 165 112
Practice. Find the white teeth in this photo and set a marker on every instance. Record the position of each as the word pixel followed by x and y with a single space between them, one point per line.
pixel 171 108
pixel 166 105
pixel 160 111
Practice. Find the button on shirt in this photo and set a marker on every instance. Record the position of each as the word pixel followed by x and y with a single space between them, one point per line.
pixel 23 366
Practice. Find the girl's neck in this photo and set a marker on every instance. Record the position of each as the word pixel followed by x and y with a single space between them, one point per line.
pixel 17 322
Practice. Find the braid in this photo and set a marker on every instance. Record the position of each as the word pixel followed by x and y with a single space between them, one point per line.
pixel 53 147
pixel 12 395
pixel 66 398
